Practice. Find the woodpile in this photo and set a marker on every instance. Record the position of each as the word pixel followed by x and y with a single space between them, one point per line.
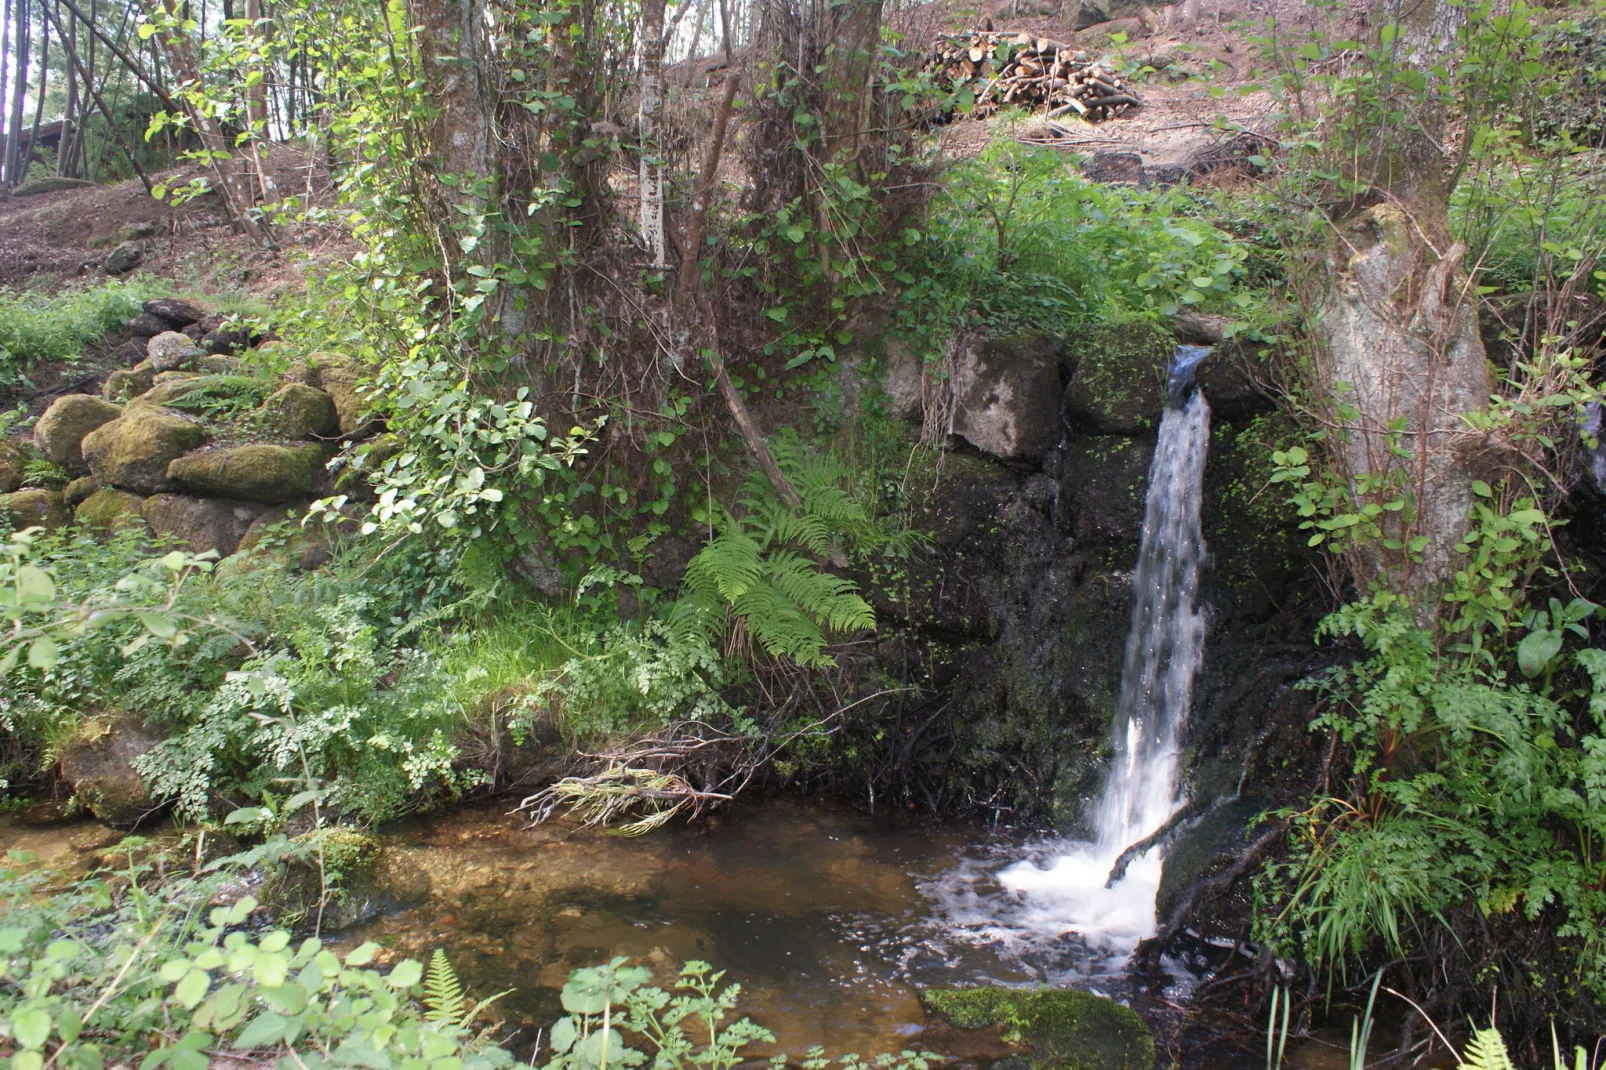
pixel 1029 72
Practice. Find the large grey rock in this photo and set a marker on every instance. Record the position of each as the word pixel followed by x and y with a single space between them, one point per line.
pixel 60 432
pixel 98 765
pixel 125 258
pixel 256 472
pixel 202 524
pixel 1007 395
pixel 171 350
pixel 903 381
pixel 133 451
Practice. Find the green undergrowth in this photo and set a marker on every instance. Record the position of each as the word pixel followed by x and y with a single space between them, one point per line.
pixel 36 328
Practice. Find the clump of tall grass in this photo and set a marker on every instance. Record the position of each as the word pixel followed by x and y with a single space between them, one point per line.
pixel 35 328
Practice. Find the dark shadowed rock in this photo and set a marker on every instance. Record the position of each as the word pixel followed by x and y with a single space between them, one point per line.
pixel 60 432
pixel 178 314
pixel 125 258
pixel 1119 385
pixel 1115 167
pixel 126 383
pixel 146 325
pixel 13 460
pixel 202 524
pixel 98 765
pixel 79 490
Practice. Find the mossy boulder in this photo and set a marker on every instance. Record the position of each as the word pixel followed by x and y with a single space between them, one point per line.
pixel 338 375
pixel 133 451
pixel 297 411
pixel 97 762
pixel 1119 386
pixel 1060 1028
pixel 79 490
pixel 60 432
pixel 202 524
pixel 13 461
pixel 126 383
pixel 34 508
pixel 110 510
pixel 256 472
pixel 1208 845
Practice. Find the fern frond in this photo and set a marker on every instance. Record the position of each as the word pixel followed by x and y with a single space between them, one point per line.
pixel 443 992
pixel 1487 1051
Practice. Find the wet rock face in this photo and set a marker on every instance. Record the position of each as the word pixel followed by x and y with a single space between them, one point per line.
pixel 60 432
pixel 1014 622
pixel 1057 1029
pixel 98 765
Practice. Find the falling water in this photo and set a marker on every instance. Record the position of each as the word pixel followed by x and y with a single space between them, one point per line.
pixel 1163 649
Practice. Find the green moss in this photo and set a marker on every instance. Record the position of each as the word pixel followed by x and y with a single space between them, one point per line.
pixel 1063 1029
pixel 253 472
pixel 110 510
pixel 1121 367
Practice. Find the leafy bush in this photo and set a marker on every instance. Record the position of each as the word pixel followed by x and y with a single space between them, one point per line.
pixel 35 328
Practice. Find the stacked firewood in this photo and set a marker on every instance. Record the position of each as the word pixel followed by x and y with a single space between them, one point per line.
pixel 1029 72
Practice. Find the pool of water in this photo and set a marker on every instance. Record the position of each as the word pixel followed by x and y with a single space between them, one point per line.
pixel 831 921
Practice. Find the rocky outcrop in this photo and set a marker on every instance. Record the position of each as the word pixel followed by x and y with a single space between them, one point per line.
pixel 107 511
pixel 201 524
pixel 296 411
pixel 133 451
pixel 98 765
pixel 1057 1029
pixel 30 508
pixel 1006 395
pixel 256 472
pixel 60 432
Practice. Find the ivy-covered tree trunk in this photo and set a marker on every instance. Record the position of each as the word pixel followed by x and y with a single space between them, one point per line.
pixel 1401 353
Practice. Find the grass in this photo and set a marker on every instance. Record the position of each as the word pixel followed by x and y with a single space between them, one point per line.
pixel 35 328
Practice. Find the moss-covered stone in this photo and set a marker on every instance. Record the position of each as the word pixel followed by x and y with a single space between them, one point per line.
pixel 297 411
pixel 127 383
pixel 133 451
pixel 256 472
pixel 97 762
pixel 338 375
pixel 34 508
pixel 1120 380
pixel 60 432
pixel 13 460
pixel 79 490
pixel 172 350
pixel 1062 1029
pixel 110 510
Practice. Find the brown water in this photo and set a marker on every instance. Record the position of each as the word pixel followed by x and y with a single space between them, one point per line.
pixel 817 912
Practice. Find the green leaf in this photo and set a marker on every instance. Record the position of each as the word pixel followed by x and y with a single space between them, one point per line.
pixel 43 652
pixel 192 989
pixel 778 314
pixel 362 954
pixel 34 584
pixel 1536 650
pixel 265 1030
pixel 31 1027
pixel 407 973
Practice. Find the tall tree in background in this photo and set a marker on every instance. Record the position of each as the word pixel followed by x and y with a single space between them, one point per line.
pixel 1399 328
pixel 651 169
pixel 20 54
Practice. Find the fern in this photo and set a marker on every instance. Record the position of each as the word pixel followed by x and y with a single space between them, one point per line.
pixel 761 572
pixel 1486 1051
pixel 443 992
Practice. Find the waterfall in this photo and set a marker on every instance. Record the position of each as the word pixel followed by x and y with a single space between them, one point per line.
pixel 1163 649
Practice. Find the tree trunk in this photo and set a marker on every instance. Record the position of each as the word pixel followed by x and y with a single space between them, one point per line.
pixel 106 113
pixel 256 105
pixel 1401 329
pixel 651 171
pixel 73 120
pixel 14 171
pixel 5 72
pixel 851 32
pixel 39 101
pixel 234 186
